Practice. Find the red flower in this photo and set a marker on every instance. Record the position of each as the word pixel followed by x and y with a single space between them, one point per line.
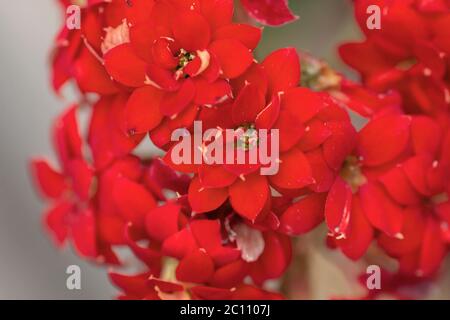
pixel 409 53
pixel 315 137
pixel 179 55
pixel 400 189
pixel 127 190
pixel 71 215
pixel 75 55
pixel 145 287
pixel 107 137
pixel 202 258
pixel 357 202
pixel 221 230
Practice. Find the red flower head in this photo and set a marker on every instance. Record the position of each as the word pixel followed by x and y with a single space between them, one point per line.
pixel 398 189
pixel 72 211
pixel 128 190
pixel 409 53
pixel 218 225
pixel 178 56
pixel 203 256
pixel 315 135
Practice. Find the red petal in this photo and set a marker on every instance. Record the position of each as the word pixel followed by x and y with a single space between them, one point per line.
pixel 179 244
pixel 107 137
pixel 139 11
pixel 207 233
pixel 412 232
pixel 205 199
pixel 83 230
pixel 124 66
pixel 197 267
pixel 302 102
pixel 110 228
pixel 160 77
pixel 271 12
pixel 433 249
pixel 294 172
pixel 82 176
pixel 91 75
pixel 218 12
pixel 248 35
pixel 304 215
pixel 269 115
pixel 351 54
pixel 399 188
pixel 50 183
pixel 316 133
pixel 142 111
pixel 133 201
pixel 247 105
pixel 290 129
pixel 338 208
pixel 211 93
pixel 230 275
pixel 340 144
pixel 164 286
pixel 191 31
pixel 391 132
pixel 175 102
pixel 380 210
pixel 132 285
pixel 360 233
pixel 162 54
pixel 56 221
pixel 425 134
pixel 233 56
pixel 215 176
pixel 321 172
pixel 224 255
pixel 249 196
pixel 283 70
pixel 416 169
pixel 275 258
pixel 162 222
pixel 255 74
pixel 66 136
pixel 161 135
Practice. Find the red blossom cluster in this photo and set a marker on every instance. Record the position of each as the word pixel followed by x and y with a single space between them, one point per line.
pixel 221 231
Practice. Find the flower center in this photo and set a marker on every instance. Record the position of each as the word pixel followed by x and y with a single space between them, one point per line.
pixel 184 58
pixel 318 75
pixel 439 198
pixel 247 137
pixel 352 174
pixel 405 65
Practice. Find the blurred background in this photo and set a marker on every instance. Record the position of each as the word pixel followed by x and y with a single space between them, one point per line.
pixel 30 266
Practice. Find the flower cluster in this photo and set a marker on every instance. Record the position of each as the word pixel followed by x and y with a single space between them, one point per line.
pixel 223 230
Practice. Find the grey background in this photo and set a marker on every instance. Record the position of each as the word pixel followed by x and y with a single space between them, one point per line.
pixel 30 266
